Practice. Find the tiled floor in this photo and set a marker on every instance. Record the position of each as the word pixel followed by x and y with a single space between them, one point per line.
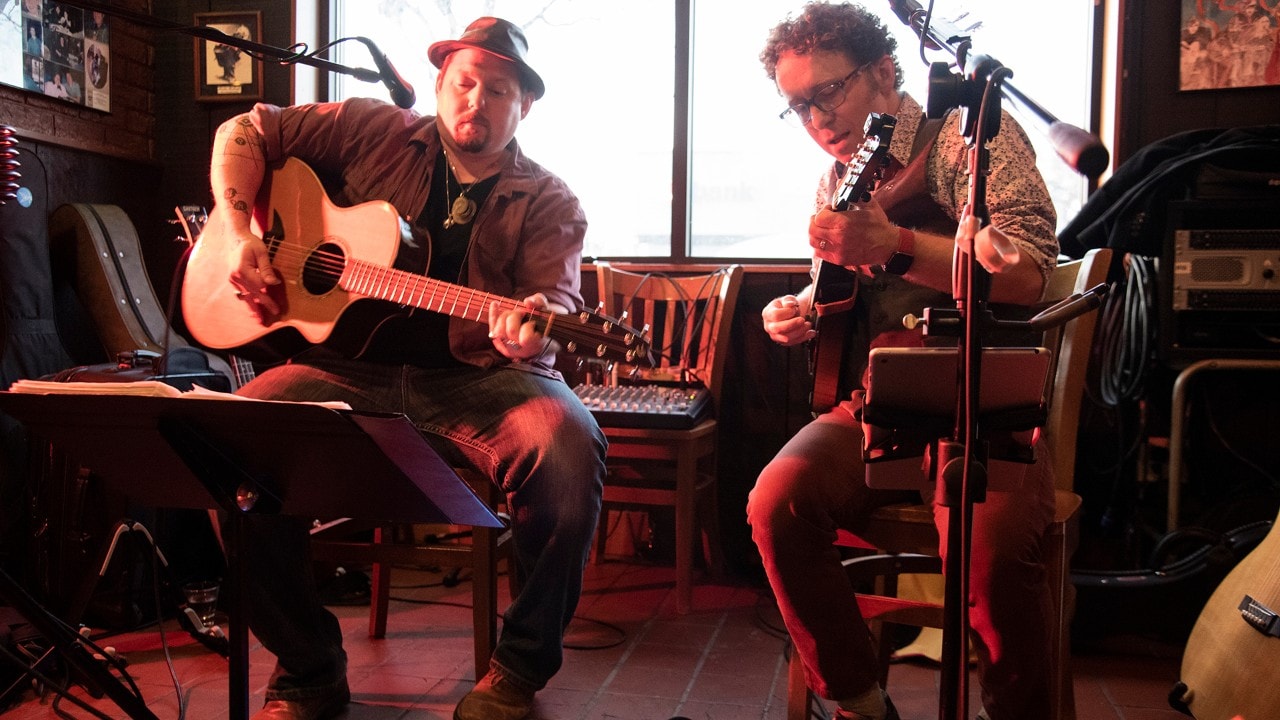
pixel 631 658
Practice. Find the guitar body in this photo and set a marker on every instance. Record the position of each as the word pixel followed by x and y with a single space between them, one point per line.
pixel 305 232
pixel 1230 658
pixel 834 291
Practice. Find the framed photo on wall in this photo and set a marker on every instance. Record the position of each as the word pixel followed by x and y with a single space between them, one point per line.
pixel 225 73
pixel 1228 44
pixel 57 50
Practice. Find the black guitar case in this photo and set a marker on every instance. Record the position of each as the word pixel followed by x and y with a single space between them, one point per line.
pixel 30 346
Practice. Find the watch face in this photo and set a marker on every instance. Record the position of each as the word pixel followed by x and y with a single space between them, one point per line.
pixel 899 263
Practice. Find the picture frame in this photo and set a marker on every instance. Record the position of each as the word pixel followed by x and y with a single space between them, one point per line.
pixel 1228 44
pixel 57 50
pixel 225 73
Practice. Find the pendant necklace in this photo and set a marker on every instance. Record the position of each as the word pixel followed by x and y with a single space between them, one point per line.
pixel 463 209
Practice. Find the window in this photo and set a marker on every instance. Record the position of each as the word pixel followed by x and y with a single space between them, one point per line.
pixel 607 122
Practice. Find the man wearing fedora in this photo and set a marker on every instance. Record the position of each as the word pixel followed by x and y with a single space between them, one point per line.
pixel 480 214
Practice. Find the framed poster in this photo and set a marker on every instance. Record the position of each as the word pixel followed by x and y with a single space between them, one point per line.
pixel 225 72
pixel 1228 44
pixel 57 50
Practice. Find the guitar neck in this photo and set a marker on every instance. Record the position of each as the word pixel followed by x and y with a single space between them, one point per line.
pixel 242 371
pixel 419 291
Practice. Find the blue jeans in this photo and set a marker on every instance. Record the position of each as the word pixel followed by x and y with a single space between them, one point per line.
pixel 527 432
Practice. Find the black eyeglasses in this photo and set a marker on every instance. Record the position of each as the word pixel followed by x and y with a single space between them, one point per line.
pixel 827 98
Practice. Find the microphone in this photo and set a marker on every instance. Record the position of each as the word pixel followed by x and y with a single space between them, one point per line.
pixel 1078 148
pixel 401 91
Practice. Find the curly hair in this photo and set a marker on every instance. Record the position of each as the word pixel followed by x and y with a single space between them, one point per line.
pixel 835 27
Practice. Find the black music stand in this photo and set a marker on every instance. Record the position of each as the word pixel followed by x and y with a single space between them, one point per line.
pixel 243 457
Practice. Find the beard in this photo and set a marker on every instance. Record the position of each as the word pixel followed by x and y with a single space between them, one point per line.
pixel 471 135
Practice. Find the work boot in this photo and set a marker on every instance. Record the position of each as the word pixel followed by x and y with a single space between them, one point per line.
pixel 320 707
pixel 890 712
pixel 494 698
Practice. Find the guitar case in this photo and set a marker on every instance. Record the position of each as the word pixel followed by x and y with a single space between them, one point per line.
pixel 96 246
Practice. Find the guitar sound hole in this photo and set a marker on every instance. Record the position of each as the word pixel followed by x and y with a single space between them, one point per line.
pixel 323 268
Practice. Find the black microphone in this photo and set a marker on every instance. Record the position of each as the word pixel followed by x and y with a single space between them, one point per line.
pixel 401 91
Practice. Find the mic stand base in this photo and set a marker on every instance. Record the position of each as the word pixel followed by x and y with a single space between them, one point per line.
pixel 98 680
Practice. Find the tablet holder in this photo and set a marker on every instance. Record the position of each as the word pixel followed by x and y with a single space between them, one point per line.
pixel 908 407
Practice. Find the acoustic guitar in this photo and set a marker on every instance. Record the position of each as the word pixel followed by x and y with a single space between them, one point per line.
pixel 330 257
pixel 1229 664
pixel 192 219
pixel 834 286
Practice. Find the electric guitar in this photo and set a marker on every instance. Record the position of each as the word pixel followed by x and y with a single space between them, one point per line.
pixel 329 257
pixel 1230 658
pixel 834 286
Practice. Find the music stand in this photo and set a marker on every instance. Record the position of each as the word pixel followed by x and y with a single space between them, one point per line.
pixel 243 457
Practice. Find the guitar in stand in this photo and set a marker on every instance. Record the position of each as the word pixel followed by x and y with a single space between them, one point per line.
pixel 1234 648
pixel 835 287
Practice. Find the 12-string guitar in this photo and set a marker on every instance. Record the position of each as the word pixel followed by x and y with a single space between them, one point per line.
pixel 834 286
pixel 329 257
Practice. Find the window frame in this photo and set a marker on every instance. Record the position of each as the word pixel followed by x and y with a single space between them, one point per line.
pixel 681 240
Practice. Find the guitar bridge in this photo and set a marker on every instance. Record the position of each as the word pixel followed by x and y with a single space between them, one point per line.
pixel 1260 617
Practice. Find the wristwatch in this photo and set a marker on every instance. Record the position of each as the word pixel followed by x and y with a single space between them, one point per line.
pixel 900 261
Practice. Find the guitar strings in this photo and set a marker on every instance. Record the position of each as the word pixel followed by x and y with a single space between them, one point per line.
pixel 408 285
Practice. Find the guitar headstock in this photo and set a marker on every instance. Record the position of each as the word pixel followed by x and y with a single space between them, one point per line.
pixel 867 165
pixel 594 335
pixel 192 219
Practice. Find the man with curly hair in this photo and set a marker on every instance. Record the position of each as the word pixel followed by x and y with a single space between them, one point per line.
pixel 833 65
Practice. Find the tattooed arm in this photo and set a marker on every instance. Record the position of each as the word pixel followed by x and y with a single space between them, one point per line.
pixel 235 174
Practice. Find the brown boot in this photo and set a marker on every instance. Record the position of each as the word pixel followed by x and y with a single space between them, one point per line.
pixel 321 707
pixel 494 698
pixel 890 712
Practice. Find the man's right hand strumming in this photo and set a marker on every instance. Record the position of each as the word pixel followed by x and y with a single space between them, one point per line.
pixel 252 274
pixel 785 320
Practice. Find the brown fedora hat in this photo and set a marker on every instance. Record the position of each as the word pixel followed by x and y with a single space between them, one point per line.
pixel 495 36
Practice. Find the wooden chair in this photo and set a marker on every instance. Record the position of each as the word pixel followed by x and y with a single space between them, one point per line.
pixel 688 318
pixel 487 546
pixel 907 536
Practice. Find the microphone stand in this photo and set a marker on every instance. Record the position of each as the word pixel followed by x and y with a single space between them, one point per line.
pixel 959 467
pixel 282 55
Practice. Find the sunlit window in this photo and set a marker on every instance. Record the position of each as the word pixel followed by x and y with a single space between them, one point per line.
pixel 606 122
